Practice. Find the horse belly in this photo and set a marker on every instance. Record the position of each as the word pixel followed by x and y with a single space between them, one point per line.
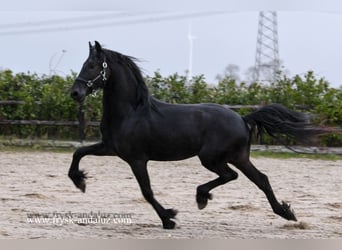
pixel 173 148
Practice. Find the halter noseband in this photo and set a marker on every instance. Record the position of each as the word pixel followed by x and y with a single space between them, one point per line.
pixel 102 74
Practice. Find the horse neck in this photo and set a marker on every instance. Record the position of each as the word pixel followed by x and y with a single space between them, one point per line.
pixel 118 98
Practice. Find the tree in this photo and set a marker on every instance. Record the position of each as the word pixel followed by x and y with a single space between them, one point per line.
pixel 231 71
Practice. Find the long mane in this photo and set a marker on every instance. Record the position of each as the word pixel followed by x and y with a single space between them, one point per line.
pixel 144 99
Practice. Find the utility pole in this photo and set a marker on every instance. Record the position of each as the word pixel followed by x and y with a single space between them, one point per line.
pixel 267 62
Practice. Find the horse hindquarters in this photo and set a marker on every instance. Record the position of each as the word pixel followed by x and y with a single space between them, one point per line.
pixel 233 146
pixel 227 140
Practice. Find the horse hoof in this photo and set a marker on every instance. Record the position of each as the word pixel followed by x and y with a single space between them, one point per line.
pixel 169 224
pixel 202 200
pixel 82 186
pixel 202 205
pixel 288 213
pixel 78 179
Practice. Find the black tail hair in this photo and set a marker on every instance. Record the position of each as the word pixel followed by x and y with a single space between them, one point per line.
pixel 276 120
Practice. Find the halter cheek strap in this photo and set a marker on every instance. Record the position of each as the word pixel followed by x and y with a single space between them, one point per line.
pixel 102 74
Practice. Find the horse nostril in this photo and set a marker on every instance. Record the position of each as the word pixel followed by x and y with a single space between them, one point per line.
pixel 74 94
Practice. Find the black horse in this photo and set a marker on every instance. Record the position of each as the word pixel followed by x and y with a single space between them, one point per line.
pixel 137 128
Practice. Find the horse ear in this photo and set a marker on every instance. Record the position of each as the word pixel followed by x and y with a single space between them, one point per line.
pixel 98 47
pixel 90 47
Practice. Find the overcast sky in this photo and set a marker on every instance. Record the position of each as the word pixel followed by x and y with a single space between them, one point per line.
pixel 52 36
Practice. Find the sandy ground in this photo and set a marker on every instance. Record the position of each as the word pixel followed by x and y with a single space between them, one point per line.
pixel 37 200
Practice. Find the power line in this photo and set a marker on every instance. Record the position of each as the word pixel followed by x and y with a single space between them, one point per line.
pixel 73 19
pixel 135 20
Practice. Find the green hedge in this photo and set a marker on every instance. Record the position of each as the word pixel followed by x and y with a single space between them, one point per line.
pixel 48 98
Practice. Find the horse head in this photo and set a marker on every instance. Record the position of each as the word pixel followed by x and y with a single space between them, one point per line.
pixel 93 75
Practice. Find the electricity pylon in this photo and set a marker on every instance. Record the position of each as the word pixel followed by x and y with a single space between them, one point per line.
pixel 267 63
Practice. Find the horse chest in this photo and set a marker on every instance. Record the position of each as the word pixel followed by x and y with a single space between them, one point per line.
pixel 120 138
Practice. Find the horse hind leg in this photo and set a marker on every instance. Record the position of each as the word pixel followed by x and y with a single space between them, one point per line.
pixel 225 174
pixel 261 180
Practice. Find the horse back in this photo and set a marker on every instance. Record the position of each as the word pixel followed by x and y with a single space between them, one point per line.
pixel 177 132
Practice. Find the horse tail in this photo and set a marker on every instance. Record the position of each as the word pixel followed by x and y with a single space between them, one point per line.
pixel 277 120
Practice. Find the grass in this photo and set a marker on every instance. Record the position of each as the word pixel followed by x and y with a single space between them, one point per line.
pixel 278 155
pixel 35 149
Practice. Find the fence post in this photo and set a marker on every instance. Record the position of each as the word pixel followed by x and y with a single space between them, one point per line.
pixel 81 120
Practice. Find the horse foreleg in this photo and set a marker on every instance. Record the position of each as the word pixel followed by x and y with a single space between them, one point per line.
pixel 261 180
pixel 78 176
pixel 139 169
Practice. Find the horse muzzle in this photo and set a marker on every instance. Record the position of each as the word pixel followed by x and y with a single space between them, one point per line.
pixel 79 93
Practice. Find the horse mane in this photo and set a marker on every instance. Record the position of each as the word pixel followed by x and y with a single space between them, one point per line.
pixel 144 99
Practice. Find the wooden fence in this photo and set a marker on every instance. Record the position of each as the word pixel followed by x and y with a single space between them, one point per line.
pixel 81 122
